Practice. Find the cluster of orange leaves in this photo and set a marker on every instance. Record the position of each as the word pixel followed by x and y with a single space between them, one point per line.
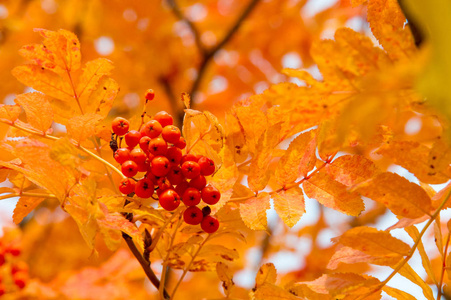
pixel 331 139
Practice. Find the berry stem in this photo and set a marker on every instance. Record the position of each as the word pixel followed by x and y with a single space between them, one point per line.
pixel 26 194
pixel 144 264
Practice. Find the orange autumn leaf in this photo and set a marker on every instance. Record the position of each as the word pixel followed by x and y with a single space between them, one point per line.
pixel 38 109
pixel 402 197
pixel 373 242
pixel 333 194
pixel 93 71
pixel 226 276
pixel 349 255
pixel 299 159
pixel 414 157
pixel 9 113
pixel 253 211
pixel 351 169
pixel 266 274
pixel 259 173
pixel 289 205
pixel 24 206
pixel 82 127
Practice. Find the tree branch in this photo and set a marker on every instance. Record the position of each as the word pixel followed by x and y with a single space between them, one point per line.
pixel 144 264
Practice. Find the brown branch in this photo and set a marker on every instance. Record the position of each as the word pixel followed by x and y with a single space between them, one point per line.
pixel 144 264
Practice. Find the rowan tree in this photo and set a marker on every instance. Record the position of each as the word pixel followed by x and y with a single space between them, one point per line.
pixel 161 150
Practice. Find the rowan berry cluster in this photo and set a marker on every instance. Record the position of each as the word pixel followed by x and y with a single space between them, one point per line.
pixel 156 151
pixel 14 272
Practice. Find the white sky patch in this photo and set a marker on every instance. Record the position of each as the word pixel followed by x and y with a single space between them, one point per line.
pixel 104 45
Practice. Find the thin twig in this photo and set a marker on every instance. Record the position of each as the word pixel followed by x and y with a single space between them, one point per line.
pixel 439 294
pixel 144 264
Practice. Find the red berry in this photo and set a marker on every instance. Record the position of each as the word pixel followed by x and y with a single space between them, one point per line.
pixel 144 143
pixel 150 94
pixel 127 186
pixel 174 155
pixel 129 168
pixel 181 187
pixel 2 259
pixel 188 157
pixel 152 177
pixel 120 126
pixel 207 166
pixel 144 188
pixel 181 143
pixel 20 279
pixel 164 184
pixel 152 129
pixel 158 146
pixel 145 166
pixel 132 138
pixel 169 200
pixel 14 250
pixel 210 195
pixel 175 175
pixel 122 155
pixel 2 289
pixel 191 197
pixel 209 224
pixel 20 266
pixel 163 118
pixel 138 156
pixel 198 183
pixel 192 215
pixel 190 169
pixel 160 166
pixel 171 134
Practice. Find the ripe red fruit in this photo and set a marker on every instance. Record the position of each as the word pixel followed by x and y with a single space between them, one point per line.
pixel 207 166
pixel 150 94
pixel 2 259
pixel 144 188
pixel 152 129
pixel 192 215
pixel 132 138
pixel 181 187
pixel 171 134
pixel 188 157
pixel 122 155
pixel 174 155
pixel 198 183
pixel 127 186
pixel 120 126
pixel 144 143
pixel 163 118
pixel 169 200
pixel 138 156
pixel 20 266
pixel 129 168
pixel 191 197
pixel 210 195
pixel 190 169
pixel 175 175
pixel 160 166
pixel 2 289
pixel 144 167
pixel 20 279
pixel 164 184
pixel 209 224
pixel 181 143
pixel 158 146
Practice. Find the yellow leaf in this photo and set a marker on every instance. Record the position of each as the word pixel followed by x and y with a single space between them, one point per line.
pixel 266 274
pixel 9 112
pixel 253 211
pixel 38 109
pixel 259 175
pixel 299 159
pixel 253 123
pixel 24 206
pixel 272 292
pixel 226 276
pixel 93 71
pixel 112 226
pixel 333 194
pixel 82 127
pixel 397 294
pixel 351 169
pixel 186 99
pixel 64 152
pixel 373 242
pixel 289 205
pixel 349 255
pixel 215 252
pixel 410 274
pixel 236 140
pixel 45 81
pixel 414 157
pixel 402 197
pixel 387 24
pixel 63 46
pixel 102 97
